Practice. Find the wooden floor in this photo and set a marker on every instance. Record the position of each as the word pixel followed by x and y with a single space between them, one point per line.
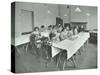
pixel 27 62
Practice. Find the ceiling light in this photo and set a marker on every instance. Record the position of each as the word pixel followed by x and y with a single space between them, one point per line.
pixel 58 16
pixel 78 9
pixel 88 14
pixel 65 15
pixel 49 11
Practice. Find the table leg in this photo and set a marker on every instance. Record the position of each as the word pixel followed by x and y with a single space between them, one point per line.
pixel 27 47
pixel 46 64
pixel 23 47
pixel 64 64
pixel 83 47
pixel 58 60
pixel 87 42
pixel 79 52
pixel 73 59
pixel 18 51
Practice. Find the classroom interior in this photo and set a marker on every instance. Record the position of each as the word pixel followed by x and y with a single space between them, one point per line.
pixel 31 15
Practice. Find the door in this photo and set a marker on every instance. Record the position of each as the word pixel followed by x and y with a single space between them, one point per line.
pixel 59 21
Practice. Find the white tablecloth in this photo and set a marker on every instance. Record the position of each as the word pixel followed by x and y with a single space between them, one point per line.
pixel 25 38
pixel 71 46
pixel 22 39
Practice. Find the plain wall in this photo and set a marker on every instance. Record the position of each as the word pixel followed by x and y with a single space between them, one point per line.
pixel 82 17
pixel 64 13
pixel 41 15
pixel 73 16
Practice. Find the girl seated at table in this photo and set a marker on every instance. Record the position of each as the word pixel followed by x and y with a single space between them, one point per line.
pixel 81 29
pixel 54 35
pixel 42 28
pixel 66 33
pixel 75 30
pixel 37 37
pixel 59 30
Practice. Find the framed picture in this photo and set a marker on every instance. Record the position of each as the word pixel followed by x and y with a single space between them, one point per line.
pixel 53 37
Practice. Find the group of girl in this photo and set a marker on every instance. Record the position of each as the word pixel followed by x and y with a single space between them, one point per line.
pixel 54 33
pixel 41 39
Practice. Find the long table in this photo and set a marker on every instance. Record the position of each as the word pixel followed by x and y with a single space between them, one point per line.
pixel 24 39
pixel 71 46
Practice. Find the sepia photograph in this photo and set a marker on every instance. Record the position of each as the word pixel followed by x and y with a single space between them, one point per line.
pixel 53 37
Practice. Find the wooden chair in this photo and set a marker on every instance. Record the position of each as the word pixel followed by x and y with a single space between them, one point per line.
pixel 45 51
pixel 33 45
pixel 62 59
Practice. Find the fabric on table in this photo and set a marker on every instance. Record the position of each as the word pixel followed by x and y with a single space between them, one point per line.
pixel 70 45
